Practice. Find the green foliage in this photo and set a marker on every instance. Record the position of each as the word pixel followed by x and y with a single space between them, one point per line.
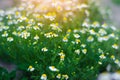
pixel 116 2
pixel 60 42
pixel 4 75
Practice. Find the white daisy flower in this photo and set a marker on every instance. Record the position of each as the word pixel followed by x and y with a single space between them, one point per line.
pixel 77 51
pixel 36 37
pixel 30 68
pixel 112 35
pixel 43 77
pixel 115 46
pixel 105 25
pixel 76 35
pixel 84 51
pixel 83 45
pixel 90 39
pixel 44 49
pixel 62 56
pixel 65 39
pixel 102 32
pixel 102 56
pixel 58 76
pixel 5 34
pixel 100 63
pixel 65 77
pixel 40 24
pixel 36 28
pixel 92 32
pixel 117 61
pixel 52 68
pixel 95 24
pixel 112 57
pixel 85 24
pixel 10 39
pixel 25 34
pixel 105 38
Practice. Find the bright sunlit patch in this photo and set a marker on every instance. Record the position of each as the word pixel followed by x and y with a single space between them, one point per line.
pixel 54 5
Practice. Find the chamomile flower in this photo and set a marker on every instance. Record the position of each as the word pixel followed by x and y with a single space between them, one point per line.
pixel 52 68
pixel 100 50
pixel 112 35
pixel 113 28
pixel 76 35
pixel 50 35
pixel 115 46
pixel 36 37
pixel 43 77
pixel 55 26
pixel 31 68
pixel 59 8
pixel 61 53
pixel 55 35
pixel 10 22
pixel 40 24
pixel 62 56
pixel 95 24
pixel 117 61
pixel 66 77
pixel 82 6
pixel 86 24
pixel 64 19
pixel 50 16
pixel 5 34
pixel 20 28
pixel 14 33
pixel 77 51
pixel 25 34
pixel 100 63
pixel 10 39
pixel 112 57
pixel 44 49
pixel 105 38
pixel 105 25
pixel 90 39
pixel 69 31
pixel 83 31
pixel 102 32
pixel 36 28
pixel 77 41
pixel 100 39
pixel 92 32
pixel 83 45
pixel 102 56
pixel 58 76
pixel 65 39
pixel 84 51
pixel 31 21
pixel 5 27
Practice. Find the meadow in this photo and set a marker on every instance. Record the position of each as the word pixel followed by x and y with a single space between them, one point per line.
pixel 57 40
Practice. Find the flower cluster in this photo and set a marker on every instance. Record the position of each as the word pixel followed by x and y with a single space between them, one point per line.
pixel 58 42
